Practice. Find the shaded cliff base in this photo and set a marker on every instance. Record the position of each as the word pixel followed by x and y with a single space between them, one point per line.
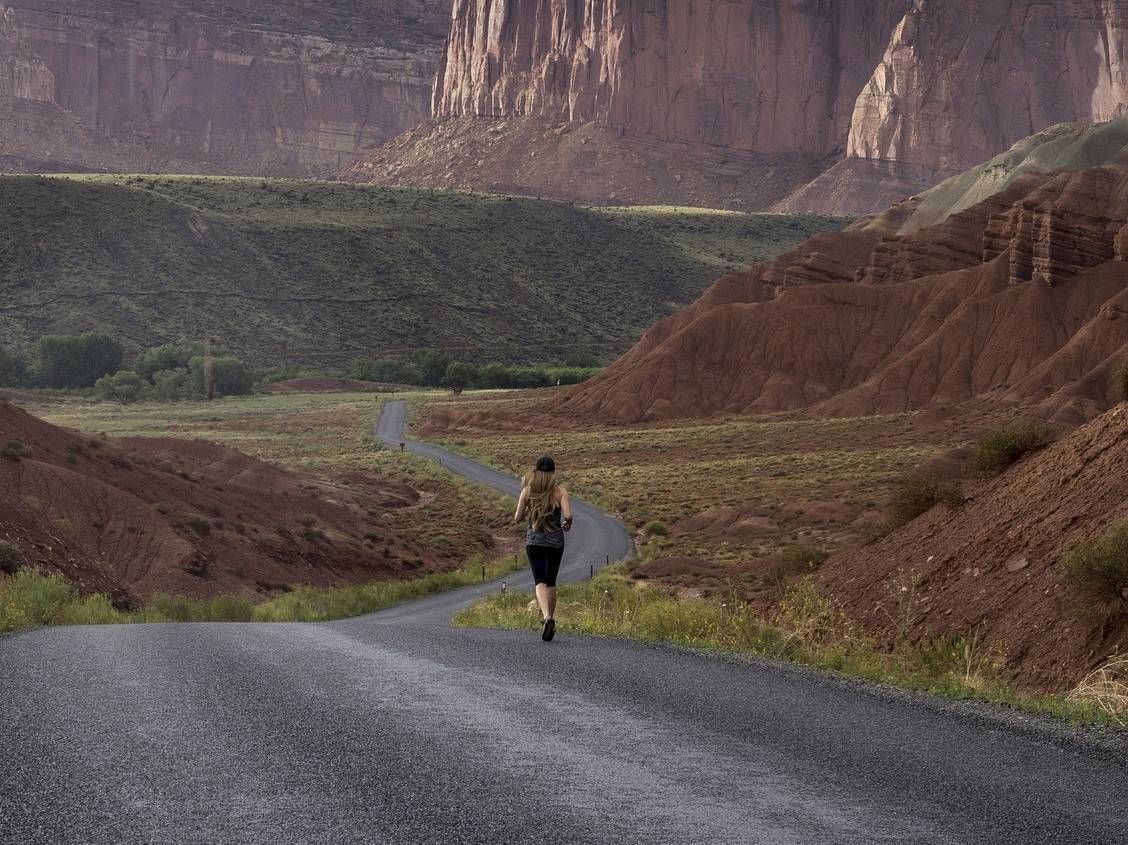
pixel 582 162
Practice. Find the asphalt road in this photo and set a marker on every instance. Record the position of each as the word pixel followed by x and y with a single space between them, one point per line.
pixel 396 728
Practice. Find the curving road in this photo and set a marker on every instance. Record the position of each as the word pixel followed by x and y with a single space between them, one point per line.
pixel 396 728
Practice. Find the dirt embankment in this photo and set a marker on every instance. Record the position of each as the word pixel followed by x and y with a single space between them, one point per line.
pixel 994 566
pixel 136 516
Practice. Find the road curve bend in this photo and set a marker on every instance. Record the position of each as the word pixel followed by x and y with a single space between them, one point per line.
pixel 397 728
pixel 595 539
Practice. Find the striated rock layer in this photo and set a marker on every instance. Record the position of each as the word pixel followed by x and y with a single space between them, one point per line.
pixel 292 87
pixel 1022 298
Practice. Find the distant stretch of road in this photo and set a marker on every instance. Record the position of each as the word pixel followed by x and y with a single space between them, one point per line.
pixel 397 728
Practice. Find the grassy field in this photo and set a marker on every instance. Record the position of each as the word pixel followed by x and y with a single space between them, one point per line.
pixel 726 490
pixel 317 273
pixel 318 433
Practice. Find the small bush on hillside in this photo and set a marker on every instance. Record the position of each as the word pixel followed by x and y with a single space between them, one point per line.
pixel 11 558
pixel 1005 445
pixel 14 451
pixel 200 525
pixel 1099 568
pixel 76 360
pixel 656 529
pixel 1121 377
pixel 124 387
pixel 916 494
pixel 792 562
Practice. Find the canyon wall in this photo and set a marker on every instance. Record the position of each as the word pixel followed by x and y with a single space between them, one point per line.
pixel 763 77
pixel 287 88
pixel 882 97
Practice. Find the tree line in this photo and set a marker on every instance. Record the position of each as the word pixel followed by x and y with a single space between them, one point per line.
pixel 184 369
pixel 179 370
pixel 436 368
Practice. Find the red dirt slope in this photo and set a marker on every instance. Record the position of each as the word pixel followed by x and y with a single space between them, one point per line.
pixel 996 563
pixel 138 516
pixel 1022 298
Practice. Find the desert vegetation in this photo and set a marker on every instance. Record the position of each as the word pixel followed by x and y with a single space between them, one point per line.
pixel 725 490
pixel 1098 569
pixel 804 628
pixel 317 274
pixel 29 598
pixel 1003 446
pixel 917 493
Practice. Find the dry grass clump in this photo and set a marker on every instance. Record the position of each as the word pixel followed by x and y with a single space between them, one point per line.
pixel 1106 688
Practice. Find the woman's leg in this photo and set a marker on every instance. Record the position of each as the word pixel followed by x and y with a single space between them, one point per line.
pixel 546 598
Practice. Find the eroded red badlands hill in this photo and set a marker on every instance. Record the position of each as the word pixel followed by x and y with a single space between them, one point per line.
pixel 994 566
pixel 136 516
pixel 1022 298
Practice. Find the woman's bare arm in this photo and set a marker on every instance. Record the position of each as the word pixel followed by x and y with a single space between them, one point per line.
pixel 565 508
pixel 522 504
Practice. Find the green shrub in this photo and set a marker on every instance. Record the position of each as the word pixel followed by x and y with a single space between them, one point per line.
pixel 76 360
pixel 11 558
pixel 124 386
pixel 1099 568
pixel 89 610
pixel 171 384
pixel 1007 444
pixel 28 599
pixel 168 356
pixel 656 528
pixel 232 378
pixel 917 494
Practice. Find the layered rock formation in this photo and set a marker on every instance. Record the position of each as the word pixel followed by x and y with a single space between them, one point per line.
pixel 901 94
pixel 1022 298
pixel 293 87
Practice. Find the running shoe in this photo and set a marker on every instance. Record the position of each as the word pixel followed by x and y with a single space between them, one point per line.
pixel 549 630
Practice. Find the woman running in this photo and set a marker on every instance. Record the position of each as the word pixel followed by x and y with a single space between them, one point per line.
pixel 548 513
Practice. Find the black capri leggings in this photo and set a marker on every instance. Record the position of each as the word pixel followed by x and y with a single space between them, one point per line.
pixel 545 561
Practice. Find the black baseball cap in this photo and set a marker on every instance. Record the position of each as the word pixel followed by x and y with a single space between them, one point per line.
pixel 546 464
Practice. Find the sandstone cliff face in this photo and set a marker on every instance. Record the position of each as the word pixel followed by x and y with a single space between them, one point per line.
pixel 954 88
pixel 903 93
pixel 296 88
pixel 763 77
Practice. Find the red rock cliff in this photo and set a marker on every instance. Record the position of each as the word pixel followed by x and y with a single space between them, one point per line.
pixel 765 77
pixel 291 87
pixel 910 92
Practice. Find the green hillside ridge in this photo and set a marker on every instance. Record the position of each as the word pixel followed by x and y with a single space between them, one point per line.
pixel 318 273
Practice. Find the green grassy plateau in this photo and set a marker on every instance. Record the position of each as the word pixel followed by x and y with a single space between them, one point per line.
pixel 317 273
